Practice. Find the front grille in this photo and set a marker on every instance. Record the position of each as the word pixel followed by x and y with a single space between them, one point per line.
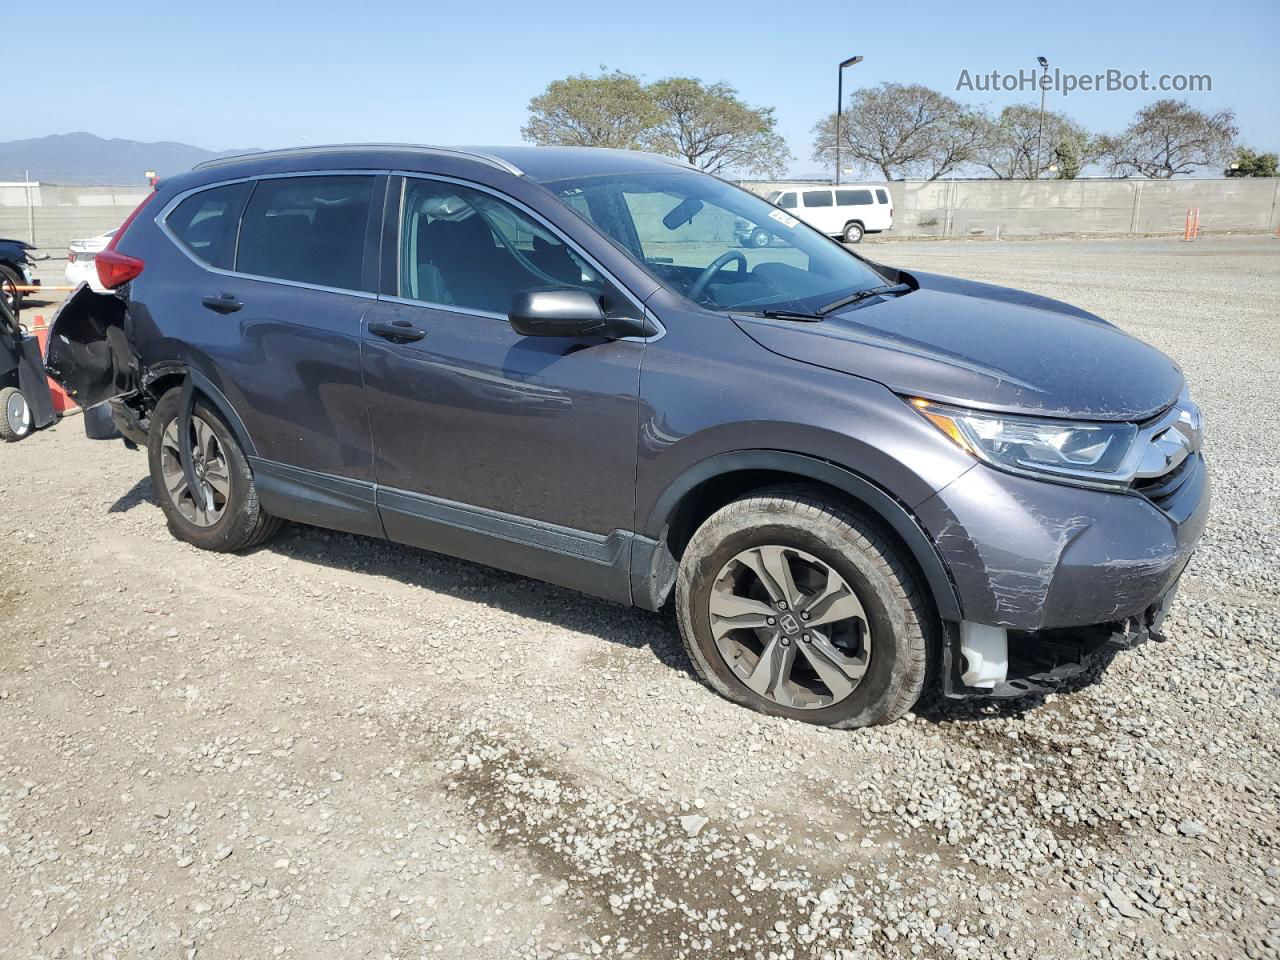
pixel 1159 488
pixel 1175 493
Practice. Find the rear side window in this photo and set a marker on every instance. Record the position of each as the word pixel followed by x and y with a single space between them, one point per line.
pixel 205 223
pixel 787 201
pixel 853 198
pixel 817 198
pixel 882 196
pixel 307 229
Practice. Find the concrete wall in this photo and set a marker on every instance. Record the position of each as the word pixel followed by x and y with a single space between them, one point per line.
pixel 939 208
pixel 1024 208
pixel 63 213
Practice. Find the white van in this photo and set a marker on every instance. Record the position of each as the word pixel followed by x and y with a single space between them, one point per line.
pixel 846 212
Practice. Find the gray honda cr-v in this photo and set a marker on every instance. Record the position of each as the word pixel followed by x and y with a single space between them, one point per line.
pixel 852 481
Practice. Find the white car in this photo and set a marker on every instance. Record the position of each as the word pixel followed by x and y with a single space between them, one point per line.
pixel 80 265
pixel 847 212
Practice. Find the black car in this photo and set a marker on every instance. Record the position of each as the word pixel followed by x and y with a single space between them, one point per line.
pixel 850 480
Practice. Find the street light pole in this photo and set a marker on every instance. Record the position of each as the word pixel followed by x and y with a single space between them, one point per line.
pixel 1044 65
pixel 840 107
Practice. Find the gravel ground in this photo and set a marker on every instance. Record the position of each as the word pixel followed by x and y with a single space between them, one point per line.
pixel 338 747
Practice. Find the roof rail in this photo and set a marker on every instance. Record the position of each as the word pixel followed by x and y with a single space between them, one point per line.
pixel 464 152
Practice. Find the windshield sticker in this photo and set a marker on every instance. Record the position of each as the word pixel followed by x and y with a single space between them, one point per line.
pixel 786 220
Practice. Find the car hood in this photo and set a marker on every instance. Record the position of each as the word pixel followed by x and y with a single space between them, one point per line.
pixel 980 345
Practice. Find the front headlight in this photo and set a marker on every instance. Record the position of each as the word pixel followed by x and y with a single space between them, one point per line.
pixel 1070 450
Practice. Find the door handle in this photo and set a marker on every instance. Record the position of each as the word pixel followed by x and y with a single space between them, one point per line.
pixel 397 331
pixel 224 303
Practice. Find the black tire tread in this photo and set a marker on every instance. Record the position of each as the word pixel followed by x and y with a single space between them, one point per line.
pixel 7 434
pixel 254 526
pixel 8 273
pixel 907 593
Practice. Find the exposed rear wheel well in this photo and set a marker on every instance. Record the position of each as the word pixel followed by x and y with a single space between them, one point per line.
pixel 163 384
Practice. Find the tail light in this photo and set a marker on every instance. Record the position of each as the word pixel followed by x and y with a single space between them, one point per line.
pixel 115 269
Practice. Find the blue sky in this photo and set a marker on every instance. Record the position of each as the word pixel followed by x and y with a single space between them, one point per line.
pixel 281 72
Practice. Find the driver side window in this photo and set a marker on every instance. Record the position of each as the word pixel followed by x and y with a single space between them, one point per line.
pixel 466 248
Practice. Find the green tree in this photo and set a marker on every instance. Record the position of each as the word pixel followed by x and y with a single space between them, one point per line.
pixel 609 110
pixel 1169 138
pixel 710 127
pixel 1251 163
pixel 902 130
pixel 1069 157
pixel 1016 148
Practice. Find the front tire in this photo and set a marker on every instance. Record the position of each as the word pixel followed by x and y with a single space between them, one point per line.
pixel 853 233
pixel 796 607
pixel 760 238
pixel 15 415
pixel 224 514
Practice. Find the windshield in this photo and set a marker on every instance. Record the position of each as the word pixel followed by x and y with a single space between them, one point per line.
pixel 716 244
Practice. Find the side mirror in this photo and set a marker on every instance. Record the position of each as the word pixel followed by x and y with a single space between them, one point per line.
pixel 567 313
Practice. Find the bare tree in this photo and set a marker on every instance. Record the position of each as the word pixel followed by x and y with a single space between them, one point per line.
pixel 1014 148
pixel 709 126
pixel 1168 138
pixel 903 130
pixel 609 110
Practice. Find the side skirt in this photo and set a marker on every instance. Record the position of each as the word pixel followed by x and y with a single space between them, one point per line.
pixel 319 499
pixel 591 563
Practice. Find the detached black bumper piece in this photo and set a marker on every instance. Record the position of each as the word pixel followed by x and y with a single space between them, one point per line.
pixel 1043 661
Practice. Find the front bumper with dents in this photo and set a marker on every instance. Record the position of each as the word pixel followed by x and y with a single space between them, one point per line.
pixel 1068 572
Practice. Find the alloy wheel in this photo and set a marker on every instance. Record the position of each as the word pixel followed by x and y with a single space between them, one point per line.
pixel 790 627
pixel 209 502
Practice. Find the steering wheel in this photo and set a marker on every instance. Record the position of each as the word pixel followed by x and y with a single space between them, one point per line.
pixel 716 265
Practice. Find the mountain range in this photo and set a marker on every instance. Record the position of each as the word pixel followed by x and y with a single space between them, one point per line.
pixel 82 158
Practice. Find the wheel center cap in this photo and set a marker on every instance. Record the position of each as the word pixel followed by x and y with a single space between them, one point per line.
pixel 789 624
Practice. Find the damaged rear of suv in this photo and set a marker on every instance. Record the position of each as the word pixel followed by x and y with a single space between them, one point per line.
pixel 851 481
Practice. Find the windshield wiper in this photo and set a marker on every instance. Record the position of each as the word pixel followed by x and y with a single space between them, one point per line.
pixel 790 315
pixel 888 288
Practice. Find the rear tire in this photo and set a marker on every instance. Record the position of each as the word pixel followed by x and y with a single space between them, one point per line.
pixel 760 238
pixel 237 521
pixel 15 415
pixel 853 233
pixel 885 657
pixel 10 280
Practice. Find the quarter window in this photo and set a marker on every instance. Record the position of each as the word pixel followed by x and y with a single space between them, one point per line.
pixel 467 248
pixel 205 223
pixel 853 198
pixel 817 198
pixel 882 196
pixel 307 229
